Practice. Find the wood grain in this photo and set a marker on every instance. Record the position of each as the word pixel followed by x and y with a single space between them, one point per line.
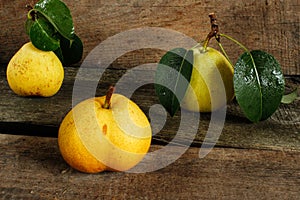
pixel 42 116
pixel 249 161
pixel 270 25
pixel 32 168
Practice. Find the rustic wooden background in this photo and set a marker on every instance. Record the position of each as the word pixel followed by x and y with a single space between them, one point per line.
pixel 249 161
pixel 270 25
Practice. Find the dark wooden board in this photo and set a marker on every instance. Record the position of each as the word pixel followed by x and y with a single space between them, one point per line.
pixel 32 168
pixel 42 116
pixel 270 25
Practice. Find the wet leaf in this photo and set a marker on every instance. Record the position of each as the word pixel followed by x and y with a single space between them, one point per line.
pixel 259 84
pixel 58 14
pixel 50 28
pixel 172 78
pixel 42 35
pixel 70 53
pixel 28 25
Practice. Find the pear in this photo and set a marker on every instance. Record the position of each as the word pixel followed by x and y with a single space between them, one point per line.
pixel 32 72
pixel 108 133
pixel 211 84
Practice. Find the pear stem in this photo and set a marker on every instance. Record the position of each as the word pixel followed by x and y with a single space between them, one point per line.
pixel 214 30
pixel 109 94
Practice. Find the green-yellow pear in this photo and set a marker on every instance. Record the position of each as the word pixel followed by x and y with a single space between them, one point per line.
pixel 97 136
pixel 211 84
pixel 32 72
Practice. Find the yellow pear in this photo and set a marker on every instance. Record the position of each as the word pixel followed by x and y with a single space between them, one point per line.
pixel 211 84
pixel 32 72
pixel 99 136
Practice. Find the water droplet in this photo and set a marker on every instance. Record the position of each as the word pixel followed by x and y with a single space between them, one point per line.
pixel 162 92
pixel 275 72
pixel 248 79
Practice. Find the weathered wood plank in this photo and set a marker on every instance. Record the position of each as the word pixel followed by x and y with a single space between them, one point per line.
pixel 32 168
pixel 270 25
pixel 42 116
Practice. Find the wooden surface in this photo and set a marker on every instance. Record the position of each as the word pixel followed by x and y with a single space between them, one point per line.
pixel 25 115
pixel 249 161
pixel 32 168
pixel 270 25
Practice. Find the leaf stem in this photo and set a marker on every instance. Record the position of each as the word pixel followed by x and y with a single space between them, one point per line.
pixel 235 41
pixel 198 44
pixel 31 14
pixel 251 57
pixel 246 50
pixel 224 52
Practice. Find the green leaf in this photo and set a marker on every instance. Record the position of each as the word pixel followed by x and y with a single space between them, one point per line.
pixel 289 98
pixel 172 78
pixel 258 84
pixel 50 28
pixel 28 25
pixel 42 35
pixel 70 53
pixel 59 15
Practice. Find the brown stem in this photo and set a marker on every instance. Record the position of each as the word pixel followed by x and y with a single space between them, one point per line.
pixel 214 30
pixel 109 94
